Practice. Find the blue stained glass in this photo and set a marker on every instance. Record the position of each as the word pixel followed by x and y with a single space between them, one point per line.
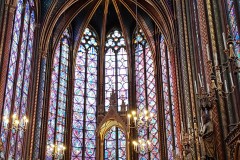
pixel 85 93
pixel 58 96
pixel 18 77
pixel 116 77
pixel 233 24
pixel 116 68
pixel 145 92
pixel 113 137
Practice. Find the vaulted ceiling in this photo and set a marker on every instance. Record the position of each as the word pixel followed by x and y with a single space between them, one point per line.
pixel 103 15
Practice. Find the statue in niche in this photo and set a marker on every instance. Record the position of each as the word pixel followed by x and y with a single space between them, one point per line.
pixel 187 147
pixel 207 136
pixel 123 107
pixel 113 98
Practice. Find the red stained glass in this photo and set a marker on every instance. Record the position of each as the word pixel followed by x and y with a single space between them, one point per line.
pixel 18 78
pixel 116 77
pixel 58 97
pixel 85 93
pixel 146 93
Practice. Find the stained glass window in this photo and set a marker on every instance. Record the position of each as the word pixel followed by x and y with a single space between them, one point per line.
pixel 85 93
pixel 58 97
pixel 146 92
pixel 165 83
pixel 18 78
pixel 232 9
pixel 173 109
pixel 116 78
pixel 115 144
pixel 116 68
pixel 168 100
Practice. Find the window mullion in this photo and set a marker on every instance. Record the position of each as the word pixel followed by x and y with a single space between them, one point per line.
pixel 15 76
pixel 116 75
pixel 170 95
pixel 85 99
pixel 146 87
pixel 23 82
pixel 59 76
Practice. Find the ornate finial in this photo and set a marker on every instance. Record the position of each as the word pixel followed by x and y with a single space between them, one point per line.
pixel 113 99
pixel 123 105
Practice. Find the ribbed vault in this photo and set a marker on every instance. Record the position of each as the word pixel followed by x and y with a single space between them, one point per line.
pixel 103 15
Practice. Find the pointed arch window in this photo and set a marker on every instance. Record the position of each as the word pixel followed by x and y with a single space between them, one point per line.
pixel 18 77
pixel 85 94
pixel 232 19
pixel 58 98
pixel 116 68
pixel 168 101
pixel 116 78
pixel 115 144
pixel 146 96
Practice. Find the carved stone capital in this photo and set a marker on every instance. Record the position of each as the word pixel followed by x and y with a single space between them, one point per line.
pixel 43 53
pixel 172 47
pixel 12 8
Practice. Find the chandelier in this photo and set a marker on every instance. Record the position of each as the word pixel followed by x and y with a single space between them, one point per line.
pixel 141 120
pixel 14 123
pixel 56 150
pixel 142 146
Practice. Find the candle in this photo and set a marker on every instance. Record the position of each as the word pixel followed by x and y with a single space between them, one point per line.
pixel 225 85
pixel 219 76
pixel 135 121
pixel 208 52
pixel 208 91
pixel 224 40
pixel 5 121
pixel 128 120
pixel 231 79
pixel 216 59
pixel 200 80
pixel 195 86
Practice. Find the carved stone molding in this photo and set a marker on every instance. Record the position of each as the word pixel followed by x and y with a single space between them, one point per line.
pixel 233 142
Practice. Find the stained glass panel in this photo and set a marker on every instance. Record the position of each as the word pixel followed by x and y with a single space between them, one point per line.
pixel 18 77
pixel 116 68
pixel 116 78
pixel 85 93
pixel 173 96
pixel 165 85
pixel 58 96
pixel 146 93
pixel 115 144
pixel 233 24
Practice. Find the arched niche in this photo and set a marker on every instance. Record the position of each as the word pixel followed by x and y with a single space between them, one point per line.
pixel 237 151
pixel 111 119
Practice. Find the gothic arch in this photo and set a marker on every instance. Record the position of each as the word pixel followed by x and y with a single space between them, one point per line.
pixel 70 9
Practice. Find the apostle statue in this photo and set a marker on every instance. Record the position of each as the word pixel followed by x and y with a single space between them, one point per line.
pixel 113 98
pixel 207 137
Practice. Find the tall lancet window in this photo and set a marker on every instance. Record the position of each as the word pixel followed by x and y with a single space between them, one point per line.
pixel 18 78
pixel 85 93
pixel 116 68
pixel 232 9
pixel 116 78
pixel 169 101
pixel 146 92
pixel 58 98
